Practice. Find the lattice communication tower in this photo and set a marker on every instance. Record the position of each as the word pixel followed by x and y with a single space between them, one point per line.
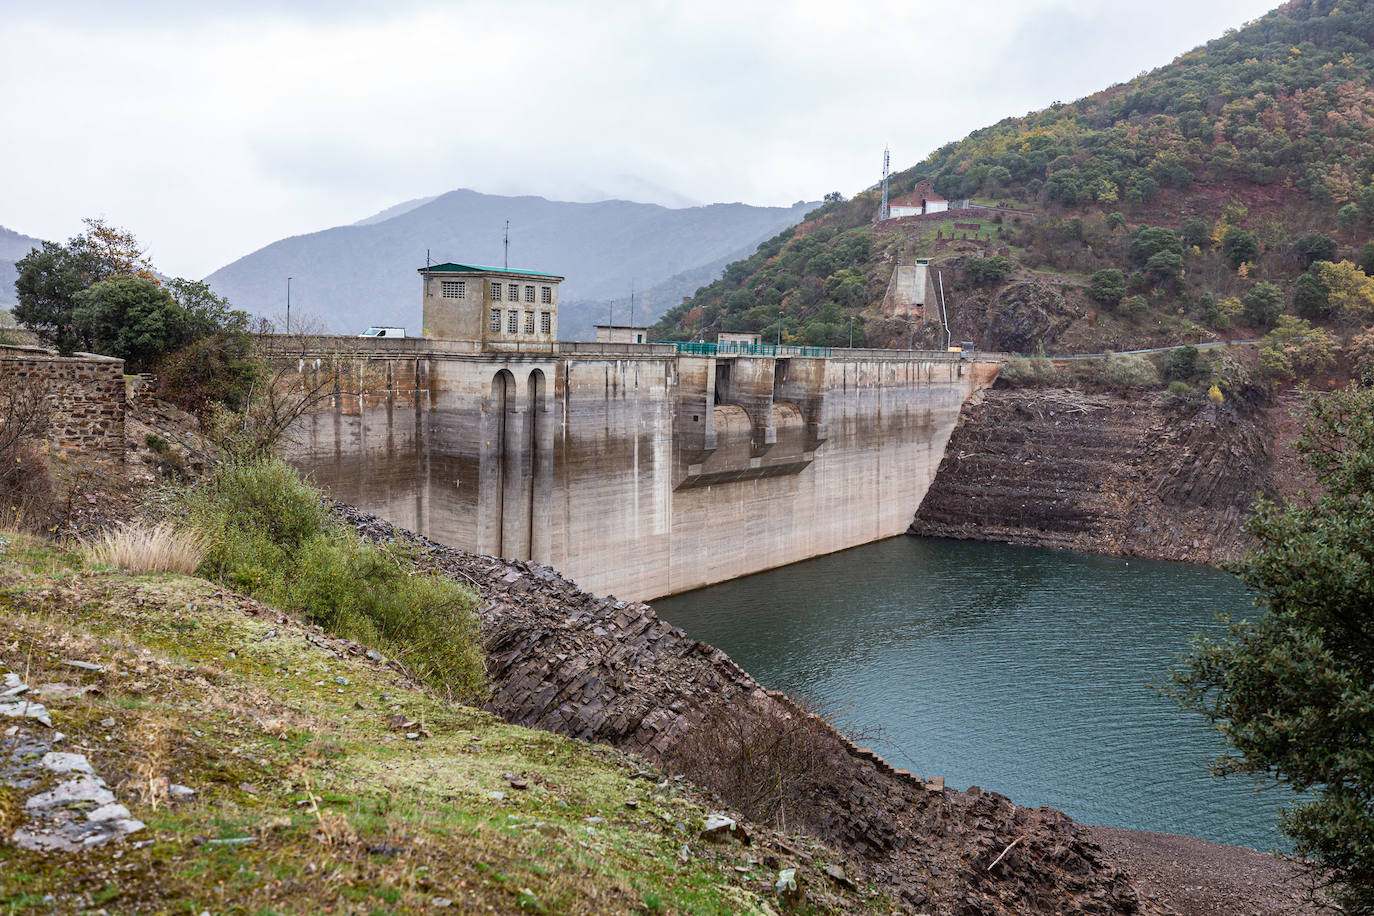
pixel 883 212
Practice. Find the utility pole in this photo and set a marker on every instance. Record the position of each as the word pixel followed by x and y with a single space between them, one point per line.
pixel 288 305
pixel 884 211
pixel 851 332
pixel 632 303
pixel 779 325
pixel 506 261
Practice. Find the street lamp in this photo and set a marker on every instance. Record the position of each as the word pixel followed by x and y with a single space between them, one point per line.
pixel 851 332
pixel 288 305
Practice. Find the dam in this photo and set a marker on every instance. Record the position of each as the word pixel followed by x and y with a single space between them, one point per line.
pixel 639 470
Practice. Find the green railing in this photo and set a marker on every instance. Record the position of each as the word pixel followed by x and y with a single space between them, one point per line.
pixel 735 348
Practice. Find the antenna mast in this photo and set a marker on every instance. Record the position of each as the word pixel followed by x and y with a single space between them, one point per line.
pixel 884 212
pixel 506 262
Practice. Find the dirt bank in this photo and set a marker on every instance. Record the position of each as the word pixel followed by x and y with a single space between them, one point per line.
pixel 1143 475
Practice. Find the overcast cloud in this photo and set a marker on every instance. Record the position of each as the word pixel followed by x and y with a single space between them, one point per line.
pixel 211 132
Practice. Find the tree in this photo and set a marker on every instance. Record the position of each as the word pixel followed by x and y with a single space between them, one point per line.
pixel 1263 304
pixel 1293 690
pixel 1180 364
pixel 48 281
pixel 1164 268
pixel 1195 233
pixel 1295 348
pixel 1238 247
pixel 1148 241
pixel 1350 292
pixel 133 319
pixel 1311 298
pixel 1315 247
pixel 1108 286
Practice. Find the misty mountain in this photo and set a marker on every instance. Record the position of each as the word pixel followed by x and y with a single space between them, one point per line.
pixel 13 246
pixel 350 277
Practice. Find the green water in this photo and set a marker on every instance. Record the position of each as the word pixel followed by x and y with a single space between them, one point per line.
pixel 1023 671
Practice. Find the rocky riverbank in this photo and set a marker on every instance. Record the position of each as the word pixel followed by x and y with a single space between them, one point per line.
pixel 1145 475
pixel 609 671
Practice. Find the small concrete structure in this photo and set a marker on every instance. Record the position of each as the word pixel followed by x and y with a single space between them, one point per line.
pixel 500 308
pixel 745 338
pixel 919 202
pixel 622 333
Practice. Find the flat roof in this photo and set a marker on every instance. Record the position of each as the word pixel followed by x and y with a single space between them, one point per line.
pixel 623 327
pixel 450 268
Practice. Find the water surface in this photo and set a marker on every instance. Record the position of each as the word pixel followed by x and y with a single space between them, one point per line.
pixel 1020 670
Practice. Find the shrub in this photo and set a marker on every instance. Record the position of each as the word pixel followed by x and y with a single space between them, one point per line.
pixel 1020 372
pixel 28 499
pixel 1295 347
pixel 268 533
pixel 1181 363
pixel 159 548
pixel 1263 304
pixel 987 270
pixel 1238 246
pixel 1135 306
pixel 1121 372
pixel 1108 286
pixel 220 368
pixel 1179 390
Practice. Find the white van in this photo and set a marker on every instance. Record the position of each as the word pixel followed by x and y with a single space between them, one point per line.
pixel 384 332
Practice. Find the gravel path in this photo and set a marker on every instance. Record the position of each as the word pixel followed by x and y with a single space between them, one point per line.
pixel 1198 878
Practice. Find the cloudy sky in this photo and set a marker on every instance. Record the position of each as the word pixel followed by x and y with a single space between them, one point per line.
pixel 213 129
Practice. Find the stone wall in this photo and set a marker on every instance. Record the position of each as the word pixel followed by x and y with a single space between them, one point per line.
pixel 85 394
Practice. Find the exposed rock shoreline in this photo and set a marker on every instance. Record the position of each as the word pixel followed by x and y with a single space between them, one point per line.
pixel 1142 476
pixel 610 671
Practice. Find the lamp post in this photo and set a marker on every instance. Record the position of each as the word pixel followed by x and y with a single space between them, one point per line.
pixel 851 332
pixel 288 305
pixel 780 326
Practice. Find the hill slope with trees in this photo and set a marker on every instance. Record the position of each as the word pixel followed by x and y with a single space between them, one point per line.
pixel 1211 197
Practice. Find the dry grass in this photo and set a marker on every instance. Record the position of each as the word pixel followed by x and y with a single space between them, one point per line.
pixel 139 547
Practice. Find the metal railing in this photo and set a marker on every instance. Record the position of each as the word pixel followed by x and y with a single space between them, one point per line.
pixel 739 348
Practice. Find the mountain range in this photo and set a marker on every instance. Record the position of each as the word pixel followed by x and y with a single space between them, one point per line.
pixel 13 246
pixel 349 277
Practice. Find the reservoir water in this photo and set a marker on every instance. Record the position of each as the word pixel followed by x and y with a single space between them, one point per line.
pixel 1023 671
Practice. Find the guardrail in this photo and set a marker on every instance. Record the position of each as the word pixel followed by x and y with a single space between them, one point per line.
pixel 737 348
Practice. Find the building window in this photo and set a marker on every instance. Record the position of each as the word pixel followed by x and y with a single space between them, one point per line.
pixel 529 322
pixel 529 294
pixel 546 295
pixel 512 322
pixel 455 289
pixel 545 323
pixel 513 292
pixel 496 321
pixel 495 292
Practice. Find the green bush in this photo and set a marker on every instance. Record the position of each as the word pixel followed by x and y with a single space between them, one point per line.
pixel 1120 372
pixel 269 534
pixel 1020 372
pixel 1179 390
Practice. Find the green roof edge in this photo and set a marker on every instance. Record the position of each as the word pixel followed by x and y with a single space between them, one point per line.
pixel 449 267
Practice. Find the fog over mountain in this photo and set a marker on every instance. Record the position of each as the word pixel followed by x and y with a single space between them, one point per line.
pixel 350 277
pixel 13 246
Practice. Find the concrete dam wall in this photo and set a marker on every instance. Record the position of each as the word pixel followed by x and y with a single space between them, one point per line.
pixel 632 469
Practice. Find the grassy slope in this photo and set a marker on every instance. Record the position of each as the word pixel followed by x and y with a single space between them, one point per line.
pixel 290 743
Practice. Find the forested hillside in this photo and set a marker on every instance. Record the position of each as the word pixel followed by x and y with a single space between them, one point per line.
pixel 1225 194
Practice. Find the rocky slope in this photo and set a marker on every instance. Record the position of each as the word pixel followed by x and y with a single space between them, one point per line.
pixel 608 671
pixel 1140 476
